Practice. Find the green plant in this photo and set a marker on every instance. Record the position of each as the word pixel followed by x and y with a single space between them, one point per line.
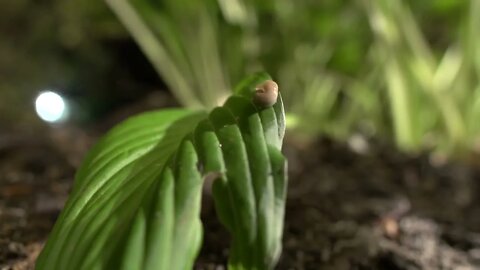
pixel 345 64
pixel 181 40
pixel 136 199
pixel 432 99
pixel 188 40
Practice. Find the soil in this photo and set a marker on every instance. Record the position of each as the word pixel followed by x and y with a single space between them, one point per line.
pixel 378 209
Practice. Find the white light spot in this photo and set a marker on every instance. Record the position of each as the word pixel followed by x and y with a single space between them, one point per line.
pixel 51 107
pixel 358 144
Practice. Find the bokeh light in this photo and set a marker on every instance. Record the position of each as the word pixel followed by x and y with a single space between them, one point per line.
pixel 51 107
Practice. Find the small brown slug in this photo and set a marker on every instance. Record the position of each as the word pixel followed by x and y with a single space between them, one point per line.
pixel 266 94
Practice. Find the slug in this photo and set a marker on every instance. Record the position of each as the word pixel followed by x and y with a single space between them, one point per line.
pixel 266 94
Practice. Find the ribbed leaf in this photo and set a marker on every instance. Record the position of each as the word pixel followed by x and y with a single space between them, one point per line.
pixel 250 200
pixel 137 197
pixel 111 187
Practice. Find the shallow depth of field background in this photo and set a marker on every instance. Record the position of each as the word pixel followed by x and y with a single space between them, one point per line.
pixel 405 72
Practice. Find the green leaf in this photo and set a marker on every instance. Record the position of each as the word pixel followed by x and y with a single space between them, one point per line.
pixel 253 189
pixel 137 197
pixel 247 86
pixel 111 187
pixel 250 197
pixel 135 246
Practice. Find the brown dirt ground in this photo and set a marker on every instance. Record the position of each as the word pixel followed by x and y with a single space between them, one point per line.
pixel 377 210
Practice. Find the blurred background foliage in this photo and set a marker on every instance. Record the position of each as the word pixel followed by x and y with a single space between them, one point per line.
pixel 404 71
pixel 75 47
